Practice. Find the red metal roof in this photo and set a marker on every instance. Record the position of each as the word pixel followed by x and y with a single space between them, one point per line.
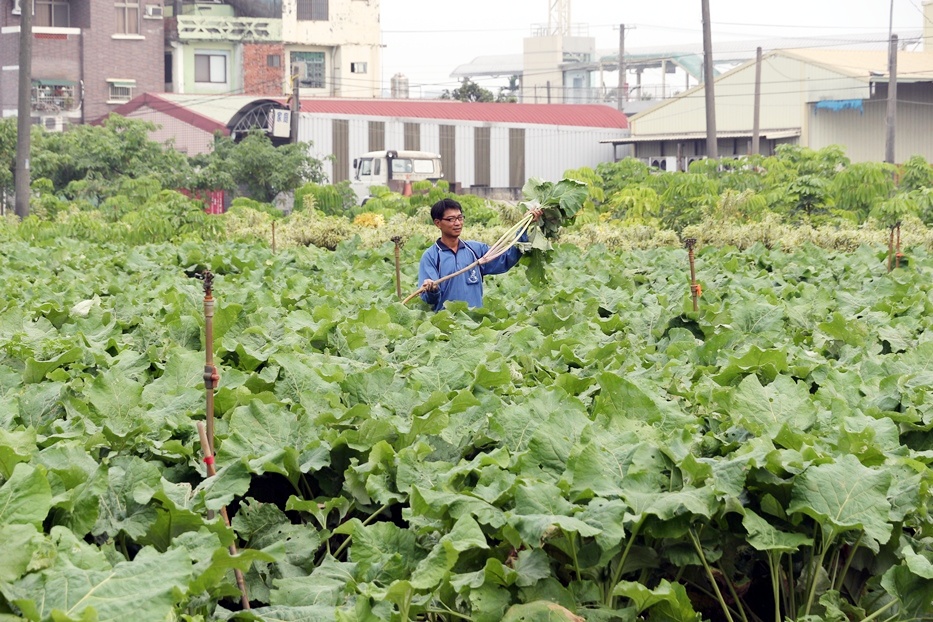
pixel 574 115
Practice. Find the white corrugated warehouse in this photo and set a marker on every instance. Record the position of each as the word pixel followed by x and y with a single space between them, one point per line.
pixel 482 145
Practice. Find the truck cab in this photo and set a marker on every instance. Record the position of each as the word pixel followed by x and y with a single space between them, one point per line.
pixel 393 169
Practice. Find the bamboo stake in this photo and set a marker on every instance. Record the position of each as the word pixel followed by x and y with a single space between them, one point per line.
pixel 398 265
pixel 897 253
pixel 694 288
pixel 211 472
pixel 891 250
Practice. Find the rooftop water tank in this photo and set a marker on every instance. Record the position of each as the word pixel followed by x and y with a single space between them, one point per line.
pixel 399 86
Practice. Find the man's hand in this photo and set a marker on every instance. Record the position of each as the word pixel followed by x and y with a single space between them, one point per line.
pixel 537 211
pixel 429 285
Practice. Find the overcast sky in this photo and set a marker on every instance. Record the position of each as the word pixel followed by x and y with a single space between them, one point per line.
pixel 427 39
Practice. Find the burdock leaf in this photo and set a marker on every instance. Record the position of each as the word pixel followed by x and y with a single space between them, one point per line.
pixel 25 498
pixel 844 496
pixel 764 410
pixel 146 586
pixel 765 537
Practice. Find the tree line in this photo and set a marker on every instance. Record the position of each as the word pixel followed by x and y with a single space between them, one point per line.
pixel 88 163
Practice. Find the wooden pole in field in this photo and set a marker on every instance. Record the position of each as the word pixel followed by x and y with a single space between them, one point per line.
pixel 694 288
pixel 398 266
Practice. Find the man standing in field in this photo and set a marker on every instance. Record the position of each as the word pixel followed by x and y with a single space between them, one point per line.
pixel 450 254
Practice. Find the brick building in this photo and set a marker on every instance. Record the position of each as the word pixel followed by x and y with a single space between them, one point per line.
pixel 88 57
pixel 91 56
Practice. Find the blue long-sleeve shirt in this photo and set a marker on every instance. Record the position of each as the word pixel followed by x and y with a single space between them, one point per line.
pixel 439 260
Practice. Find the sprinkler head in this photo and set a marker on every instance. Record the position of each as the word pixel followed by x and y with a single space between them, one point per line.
pixel 208 277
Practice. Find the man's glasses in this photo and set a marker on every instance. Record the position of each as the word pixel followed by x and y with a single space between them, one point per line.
pixel 453 219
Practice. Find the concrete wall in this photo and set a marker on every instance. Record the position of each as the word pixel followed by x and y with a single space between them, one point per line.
pixel 349 38
pixel 543 80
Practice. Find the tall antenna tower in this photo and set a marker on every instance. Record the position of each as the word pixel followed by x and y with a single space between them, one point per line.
pixel 558 19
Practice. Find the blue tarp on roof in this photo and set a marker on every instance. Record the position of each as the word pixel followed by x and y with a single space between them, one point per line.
pixel 835 105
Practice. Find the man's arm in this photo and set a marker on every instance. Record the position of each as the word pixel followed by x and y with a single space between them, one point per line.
pixel 427 274
pixel 507 260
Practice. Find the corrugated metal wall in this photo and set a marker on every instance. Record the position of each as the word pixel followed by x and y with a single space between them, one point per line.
pixel 863 134
pixel 787 84
pixel 548 150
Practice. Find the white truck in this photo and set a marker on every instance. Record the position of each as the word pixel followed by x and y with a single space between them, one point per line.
pixel 393 169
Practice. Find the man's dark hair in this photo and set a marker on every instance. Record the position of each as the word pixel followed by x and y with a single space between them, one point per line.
pixel 438 209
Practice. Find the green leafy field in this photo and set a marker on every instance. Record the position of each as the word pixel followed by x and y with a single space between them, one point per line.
pixel 593 448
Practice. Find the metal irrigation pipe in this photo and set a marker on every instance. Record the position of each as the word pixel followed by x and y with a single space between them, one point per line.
pixel 211 376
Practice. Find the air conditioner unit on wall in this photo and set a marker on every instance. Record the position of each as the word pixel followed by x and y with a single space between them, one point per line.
pixel 692 159
pixel 154 11
pixel 53 124
pixel 664 163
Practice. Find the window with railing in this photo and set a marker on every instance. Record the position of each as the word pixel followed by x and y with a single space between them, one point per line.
pixel 127 14
pixel 120 90
pixel 54 95
pixel 311 69
pixel 52 14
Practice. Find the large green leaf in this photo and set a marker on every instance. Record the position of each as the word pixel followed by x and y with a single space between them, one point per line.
pixel 15 446
pixel 25 498
pixel 272 437
pixel 23 547
pixel 843 496
pixel 110 595
pixel 124 506
pixel 765 537
pixel 670 599
pixel 546 425
pixel 624 404
pixel 765 410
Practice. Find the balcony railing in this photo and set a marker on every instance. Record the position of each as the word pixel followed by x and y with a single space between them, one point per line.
pixel 211 28
pixel 54 97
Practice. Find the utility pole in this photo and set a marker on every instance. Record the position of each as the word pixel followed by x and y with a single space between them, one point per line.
pixel 890 122
pixel 24 112
pixel 756 115
pixel 296 107
pixel 712 149
pixel 621 98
